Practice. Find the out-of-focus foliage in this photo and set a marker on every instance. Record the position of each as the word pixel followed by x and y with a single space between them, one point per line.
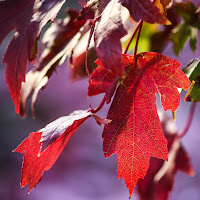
pixel 193 72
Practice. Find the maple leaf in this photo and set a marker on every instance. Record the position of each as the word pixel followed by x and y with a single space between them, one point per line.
pixel 103 80
pixel 135 132
pixel 62 37
pixel 28 18
pixel 144 10
pixel 42 148
pixel 160 176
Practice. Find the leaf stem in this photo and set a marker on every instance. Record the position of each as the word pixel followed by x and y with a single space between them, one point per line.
pixel 138 36
pixel 133 35
pixel 100 105
pixel 189 120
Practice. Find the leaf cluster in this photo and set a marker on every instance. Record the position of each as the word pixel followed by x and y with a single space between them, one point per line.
pixel 93 41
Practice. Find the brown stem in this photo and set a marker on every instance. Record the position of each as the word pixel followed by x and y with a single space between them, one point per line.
pixel 100 105
pixel 133 35
pixel 189 120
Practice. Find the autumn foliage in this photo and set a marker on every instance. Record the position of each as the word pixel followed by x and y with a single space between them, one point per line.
pixel 132 128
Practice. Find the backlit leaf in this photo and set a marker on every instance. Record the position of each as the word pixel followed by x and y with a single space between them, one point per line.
pixel 135 132
pixel 42 148
pixel 107 34
pixel 27 18
pixel 103 80
pixel 61 38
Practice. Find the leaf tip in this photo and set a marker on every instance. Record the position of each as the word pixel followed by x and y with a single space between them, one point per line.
pixel 168 22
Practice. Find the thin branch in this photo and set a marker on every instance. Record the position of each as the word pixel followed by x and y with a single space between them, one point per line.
pixel 88 45
pixel 100 105
pixel 189 120
pixel 138 36
pixel 133 35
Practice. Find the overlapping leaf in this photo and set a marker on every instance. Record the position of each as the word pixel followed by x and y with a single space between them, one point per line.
pixel 135 132
pixel 28 18
pixel 107 34
pixel 188 29
pixel 144 10
pixel 160 177
pixel 103 80
pixel 58 36
pixel 42 148
pixel 61 39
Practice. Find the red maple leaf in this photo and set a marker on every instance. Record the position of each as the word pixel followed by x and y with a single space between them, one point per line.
pixel 27 18
pixel 103 80
pixel 135 132
pixel 42 148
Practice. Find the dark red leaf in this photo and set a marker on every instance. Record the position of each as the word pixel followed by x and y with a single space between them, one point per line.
pixel 107 34
pixel 14 16
pixel 61 37
pixel 28 18
pixel 42 148
pixel 135 131
pixel 78 67
pixel 144 10
pixel 58 36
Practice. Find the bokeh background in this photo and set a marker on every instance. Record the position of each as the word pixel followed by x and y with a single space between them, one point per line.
pixel 81 172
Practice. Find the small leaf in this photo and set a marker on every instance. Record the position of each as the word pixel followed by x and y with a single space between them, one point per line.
pixel 42 148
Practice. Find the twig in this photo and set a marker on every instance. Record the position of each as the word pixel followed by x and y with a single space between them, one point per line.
pixel 189 120
pixel 100 105
pixel 133 35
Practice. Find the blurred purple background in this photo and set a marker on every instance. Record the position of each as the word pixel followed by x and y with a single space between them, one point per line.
pixel 81 172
